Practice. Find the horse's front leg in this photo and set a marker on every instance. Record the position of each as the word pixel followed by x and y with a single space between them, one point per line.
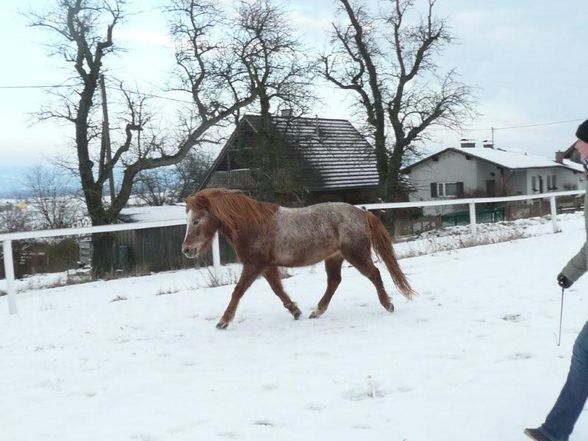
pixel 248 275
pixel 272 275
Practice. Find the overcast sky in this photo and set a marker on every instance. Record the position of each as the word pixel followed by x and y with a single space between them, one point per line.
pixel 526 58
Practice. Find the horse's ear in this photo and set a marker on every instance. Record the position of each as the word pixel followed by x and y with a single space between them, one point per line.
pixel 198 202
pixel 189 202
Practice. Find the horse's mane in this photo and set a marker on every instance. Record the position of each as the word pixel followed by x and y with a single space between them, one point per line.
pixel 233 209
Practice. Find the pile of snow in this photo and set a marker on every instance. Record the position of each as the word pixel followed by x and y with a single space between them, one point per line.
pixel 473 357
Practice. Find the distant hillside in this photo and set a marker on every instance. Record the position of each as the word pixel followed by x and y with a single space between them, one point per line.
pixel 13 181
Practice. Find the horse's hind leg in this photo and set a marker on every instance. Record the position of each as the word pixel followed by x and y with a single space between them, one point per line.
pixel 272 275
pixel 359 255
pixel 333 268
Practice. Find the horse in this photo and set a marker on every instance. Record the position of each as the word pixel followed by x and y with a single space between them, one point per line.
pixel 266 236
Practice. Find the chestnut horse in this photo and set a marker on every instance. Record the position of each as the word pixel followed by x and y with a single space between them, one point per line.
pixel 266 236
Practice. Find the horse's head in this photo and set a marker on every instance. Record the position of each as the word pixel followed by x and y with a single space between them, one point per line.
pixel 200 227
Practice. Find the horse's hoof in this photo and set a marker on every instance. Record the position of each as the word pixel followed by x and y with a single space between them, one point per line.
pixel 314 314
pixel 293 309
pixel 390 308
pixel 222 325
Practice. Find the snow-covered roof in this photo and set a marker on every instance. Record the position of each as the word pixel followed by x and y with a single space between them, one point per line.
pixel 573 165
pixel 154 214
pixel 507 159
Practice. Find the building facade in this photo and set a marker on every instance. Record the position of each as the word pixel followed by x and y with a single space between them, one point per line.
pixel 470 171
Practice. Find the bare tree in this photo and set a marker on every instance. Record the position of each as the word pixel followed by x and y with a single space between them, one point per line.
pixel 282 76
pixel 173 184
pixel 155 187
pixel 218 87
pixel 190 173
pixel 52 198
pixel 389 64
pixel 274 58
pixel 14 218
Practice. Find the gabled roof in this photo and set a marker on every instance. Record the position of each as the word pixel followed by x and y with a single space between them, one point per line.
pixel 502 158
pixel 333 148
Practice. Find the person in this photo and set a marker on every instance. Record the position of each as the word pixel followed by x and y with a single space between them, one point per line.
pixel 560 421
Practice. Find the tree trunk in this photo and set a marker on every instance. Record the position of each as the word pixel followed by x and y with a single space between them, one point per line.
pixel 394 188
pixel 103 254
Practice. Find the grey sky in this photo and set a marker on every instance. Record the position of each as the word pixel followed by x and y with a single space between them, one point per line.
pixel 527 59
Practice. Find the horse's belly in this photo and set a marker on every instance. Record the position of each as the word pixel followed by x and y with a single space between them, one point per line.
pixel 303 249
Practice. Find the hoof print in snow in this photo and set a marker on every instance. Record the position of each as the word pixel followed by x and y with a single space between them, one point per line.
pixel 521 356
pixel 363 395
pixel 361 427
pixel 370 392
pixel 118 299
pixel 512 318
pixel 263 423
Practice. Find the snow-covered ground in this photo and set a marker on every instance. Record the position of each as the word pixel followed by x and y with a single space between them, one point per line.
pixel 473 357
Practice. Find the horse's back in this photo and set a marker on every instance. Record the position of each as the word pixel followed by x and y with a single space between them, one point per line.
pixel 307 235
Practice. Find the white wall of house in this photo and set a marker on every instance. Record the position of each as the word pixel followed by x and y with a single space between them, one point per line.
pixel 451 167
pixel 565 179
pixel 516 182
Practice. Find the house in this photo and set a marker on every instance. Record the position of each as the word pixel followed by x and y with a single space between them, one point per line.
pixel 486 171
pixel 571 153
pixel 317 159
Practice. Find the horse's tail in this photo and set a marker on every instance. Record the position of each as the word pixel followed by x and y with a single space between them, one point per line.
pixel 382 243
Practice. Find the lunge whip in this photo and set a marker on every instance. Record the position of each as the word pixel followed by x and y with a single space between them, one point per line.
pixel 560 315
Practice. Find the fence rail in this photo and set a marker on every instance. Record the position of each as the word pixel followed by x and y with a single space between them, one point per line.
pixel 7 238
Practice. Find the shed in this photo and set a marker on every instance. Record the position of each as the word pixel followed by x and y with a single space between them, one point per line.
pixel 325 159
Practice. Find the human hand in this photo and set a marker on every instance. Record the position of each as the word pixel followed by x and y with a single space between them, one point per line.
pixel 563 281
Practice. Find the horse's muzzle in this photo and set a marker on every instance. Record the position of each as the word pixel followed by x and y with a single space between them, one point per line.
pixel 190 252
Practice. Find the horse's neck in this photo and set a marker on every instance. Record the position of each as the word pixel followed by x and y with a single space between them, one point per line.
pixel 251 228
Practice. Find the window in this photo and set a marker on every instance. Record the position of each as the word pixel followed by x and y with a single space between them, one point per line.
pixel 451 189
pixel 551 184
pixel 534 183
pixel 446 189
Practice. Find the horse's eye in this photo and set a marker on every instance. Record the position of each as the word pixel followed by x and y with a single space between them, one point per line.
pixel 195 221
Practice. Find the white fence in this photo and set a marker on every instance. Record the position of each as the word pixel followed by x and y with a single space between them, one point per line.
pixel 7 238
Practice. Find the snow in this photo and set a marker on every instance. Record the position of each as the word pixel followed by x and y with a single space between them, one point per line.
pixel 473 357
pixel 571 164
pixel 155 214
pixel 516 160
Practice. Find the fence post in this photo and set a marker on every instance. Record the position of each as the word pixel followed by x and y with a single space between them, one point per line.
pixel 553 214
pixel 473 226
pixel 216 262
pixel 9 272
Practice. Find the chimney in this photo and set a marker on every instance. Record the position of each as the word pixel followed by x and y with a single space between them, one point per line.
pixel 559 157
pixel 487 144
pixel 467 143
pixel 286 113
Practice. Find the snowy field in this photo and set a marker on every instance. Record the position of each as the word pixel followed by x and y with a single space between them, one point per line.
pixel 473 357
